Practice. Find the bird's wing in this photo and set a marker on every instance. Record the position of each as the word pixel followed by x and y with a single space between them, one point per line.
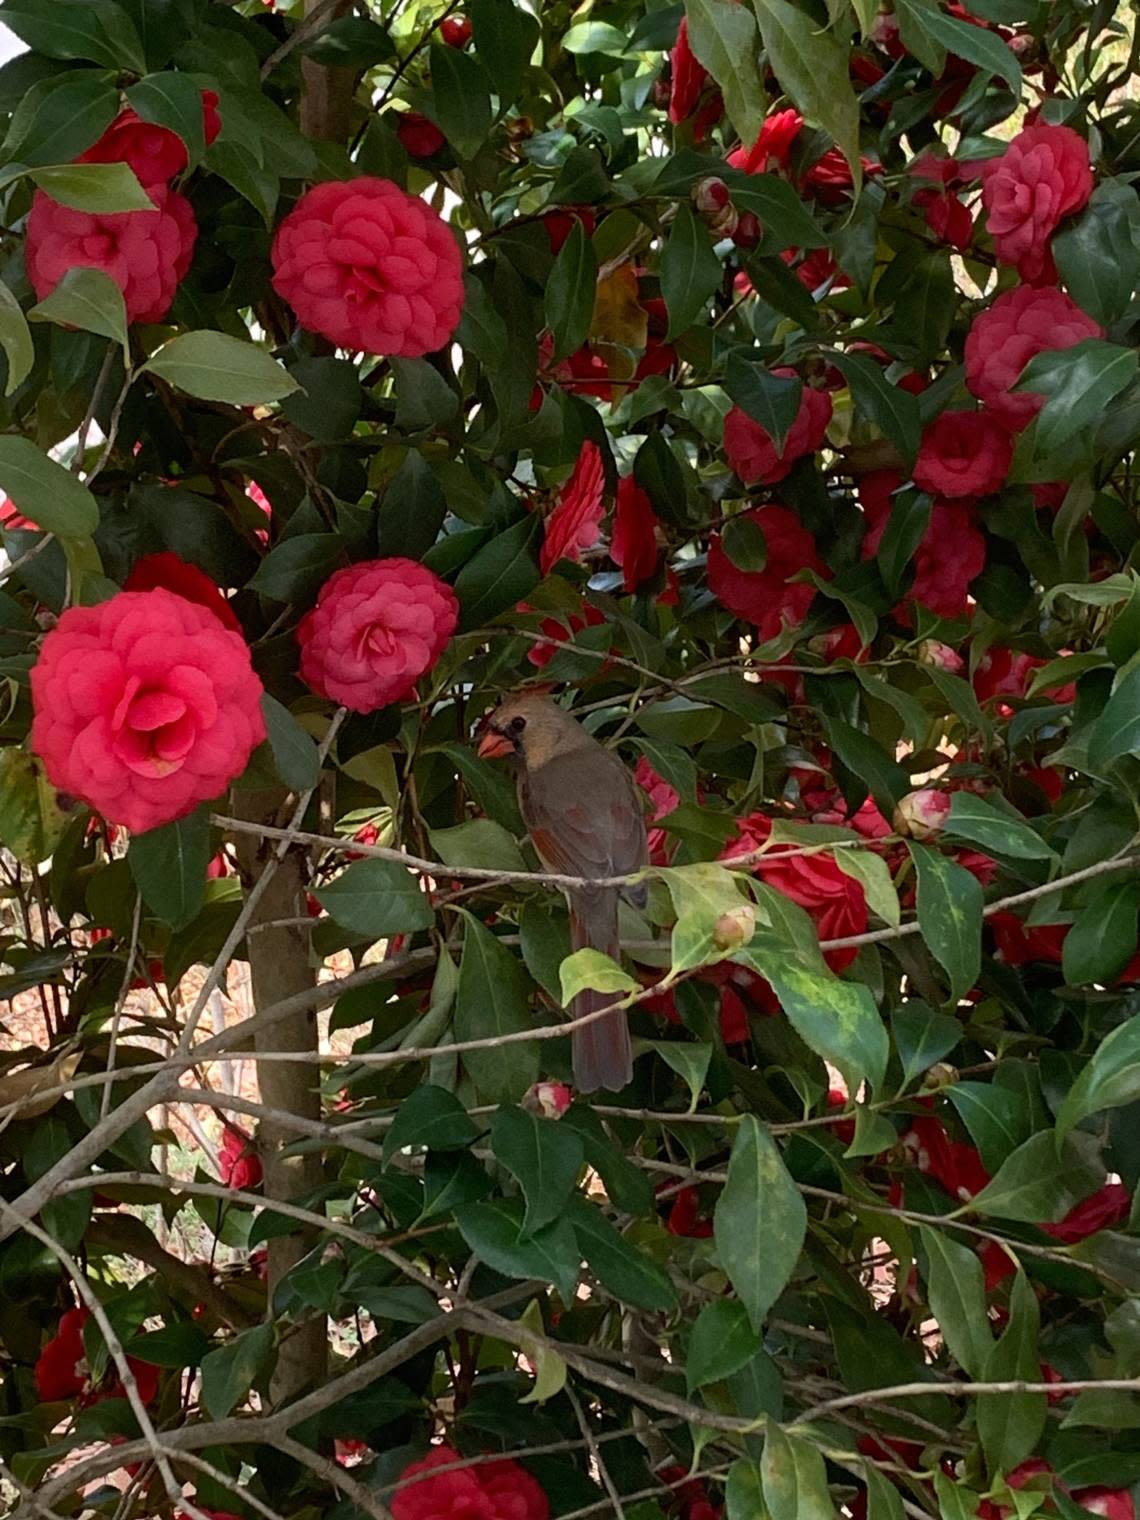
pixel 584 816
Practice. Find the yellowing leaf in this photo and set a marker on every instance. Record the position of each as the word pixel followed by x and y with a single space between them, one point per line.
pixel 618 316
pixel 24 1087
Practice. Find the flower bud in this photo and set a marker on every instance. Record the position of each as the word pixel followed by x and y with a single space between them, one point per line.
pixel 921 814
pixel 749 230
pixel 735 928
pixel 941 1074
pixel 710 195
pixel 549 1100
pixel 456 31
pixel 941 656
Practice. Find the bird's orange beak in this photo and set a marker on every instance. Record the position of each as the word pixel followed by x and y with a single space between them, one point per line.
pixel 493 746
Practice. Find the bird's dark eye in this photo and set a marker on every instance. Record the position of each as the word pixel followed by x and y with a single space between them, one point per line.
pixel 517 725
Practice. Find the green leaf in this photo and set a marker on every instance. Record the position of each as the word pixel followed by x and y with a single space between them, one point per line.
pixel 874 875
pixel 377 898
pixel 494 1231
pixel 169 866
pixel 701 894
pixel 760 1221
pixel 493 1000
pixel 794 1478
pixel 478 842
pixel 724 39
pixel 461 98
pixel 173 101
pixel 1010 1424
pixel 60 117
pixel 70 29
pixel 956 1293
pixel 570 290
pixel 627 1187
pixel 973 43
pixel 90 300
pixel 1110 1080
pixel 922 1037
pixel 215 367
pixel 771 400
pixel 621 1268
pixel 544 1159
pixel 423 397
pixel 743 1492
pixel 744 542
pixel 885 778
pixel 229 1372
pixel 499 575
pixel 1117 731
pixel 690 270
pixel 1098 253
pixel 690 1060
pixel 836 1019
pixel 722 1342
pixel 1102 941
pixel 44 491
pixel 98 188
pixel 591 969
pixel 883 1499
pixel 998 1118
pixel 433 1118
pixel 979 821
pixel 296 568
pixel 1078 383
pixel 295 755
pixel 177 1345
pixel 505 36
pixel 594 37
pixel 1042 1179
pixel 811 65
pixel 891 408
pixel 412 509
pixel 787 221
pixel 15 339
pixel 949 915
pixel 31 821
pixel 353 42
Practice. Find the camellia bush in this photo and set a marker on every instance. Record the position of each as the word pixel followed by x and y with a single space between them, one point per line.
pixel 759 381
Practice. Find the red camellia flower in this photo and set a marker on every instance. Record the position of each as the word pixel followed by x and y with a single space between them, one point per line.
pixel 663 800
pixel 835 900
pixel 559 629
pixel 1110 1205
pixel 418 135
pixel 12 520
pixel 376 629
pixel 768 598
pixel 950 554
pixel 1003 672
pixel 146 253
pixel 954 1165
pixel 238 1161
pixel 62 1372
pixel 559 223
pixel 499 1490
pixel 773 146
pixel 633 541
pixel 575 523
pixel 156 154
pixel 687 77
pixel 1042 177
pixel 370 268
pixel 174 574
pixel 1023 322
pixel 684 1216
pixel 946 216
pixel 145 706
pixel 750 450
pixel 963 454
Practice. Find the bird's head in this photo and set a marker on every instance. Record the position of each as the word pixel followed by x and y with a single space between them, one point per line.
pixel 530 729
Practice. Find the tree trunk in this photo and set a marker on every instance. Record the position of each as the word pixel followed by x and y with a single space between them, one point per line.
pixel 326 99
pixel 279 967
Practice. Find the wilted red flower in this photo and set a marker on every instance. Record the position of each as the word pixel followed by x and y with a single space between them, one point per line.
pixel 687 77
pixel 749 448
pixel 950 554
pixel 633 541
pixel 146 253
pixel 238 1161
pixel 418 135
pixel 378 626
pixel 773 145
pixel 1109 1205
pixel 500 1490
pixel 963 454
pixel 575 523
pixel 835 900
pixel 1042 177
pixel 369 267
pixel 1021 323
pixel 768 598
pixel 957 1167
pixel 156 154
pixel 171 573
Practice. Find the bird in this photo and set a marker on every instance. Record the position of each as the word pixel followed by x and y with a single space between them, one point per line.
pixel 584 815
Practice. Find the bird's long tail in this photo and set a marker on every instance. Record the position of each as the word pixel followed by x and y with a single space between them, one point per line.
pixel 601 1049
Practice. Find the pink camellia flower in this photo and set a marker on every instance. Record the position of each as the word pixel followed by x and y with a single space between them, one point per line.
pixel 1042 177
pixel 633 541
pixel 370 268
pixel 1022 323
pixel 963 454
pixel 950 554
pixel 749 448
pixel 687 77
pixel 238 1161
pixel 156 154
pixel 500 1490
pixel 923 813
pixel 575 523
pixel 418 135
pixel 549 1100
pixel 146 253
pixel 174 574
pixel 376 629
pixel 145 706
pixel 768 598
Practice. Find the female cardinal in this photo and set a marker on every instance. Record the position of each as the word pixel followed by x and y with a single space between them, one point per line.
pixel 583 813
